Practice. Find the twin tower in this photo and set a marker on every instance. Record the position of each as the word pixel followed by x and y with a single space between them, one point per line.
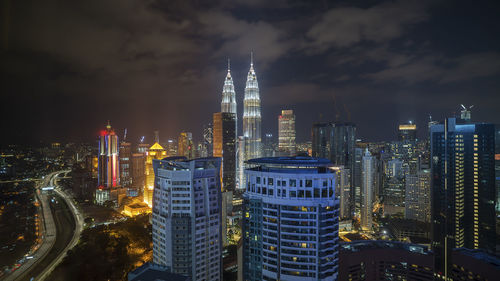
pixel 251 111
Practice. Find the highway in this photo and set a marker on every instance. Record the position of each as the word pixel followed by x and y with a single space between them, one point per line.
pixel 76 235
pixel 58 239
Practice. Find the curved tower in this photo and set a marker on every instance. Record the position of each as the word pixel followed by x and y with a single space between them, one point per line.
pixel 228 103
pixel 251 115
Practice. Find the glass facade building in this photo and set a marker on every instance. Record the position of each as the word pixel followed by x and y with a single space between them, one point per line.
pixel 463 189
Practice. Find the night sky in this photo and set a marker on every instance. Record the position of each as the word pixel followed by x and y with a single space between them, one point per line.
pixel 68 66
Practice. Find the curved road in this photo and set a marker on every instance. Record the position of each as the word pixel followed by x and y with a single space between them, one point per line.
pixel 50 230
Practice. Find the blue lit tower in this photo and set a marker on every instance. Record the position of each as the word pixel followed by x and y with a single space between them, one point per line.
pixel 251 115
pixel 290 220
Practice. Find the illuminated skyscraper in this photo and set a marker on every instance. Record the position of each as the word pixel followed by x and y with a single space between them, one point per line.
pixel 187 217
pixel 462 188
pixel 367 186
pixel 286 133
pixel 108 165
pixel 251 115
pixel 228 103
pixel 291 220
pixel 156 151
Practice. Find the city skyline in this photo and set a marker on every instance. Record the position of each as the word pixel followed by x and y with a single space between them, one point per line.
pixel 249 140
pixel 408 64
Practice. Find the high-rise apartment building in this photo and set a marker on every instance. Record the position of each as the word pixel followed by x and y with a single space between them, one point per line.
pixel 463 189
pixel 286 133
pixel 367 190
pixel 343 190
pixel 224 146
pixel 251 115
pixel 108 165
pixel 187 217
pixel 290 220
pixel 418 196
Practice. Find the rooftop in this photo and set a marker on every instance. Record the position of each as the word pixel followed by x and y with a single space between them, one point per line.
pixel 150 272
pixel 356 246
pixel 293 161
pixel 480 255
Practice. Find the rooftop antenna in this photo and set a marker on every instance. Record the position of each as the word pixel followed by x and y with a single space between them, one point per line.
pixel 125 135
pixel 465 113
pixel 142 139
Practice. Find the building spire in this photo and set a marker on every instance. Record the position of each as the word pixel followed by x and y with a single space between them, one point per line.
pixel 251 58
pixel 228 64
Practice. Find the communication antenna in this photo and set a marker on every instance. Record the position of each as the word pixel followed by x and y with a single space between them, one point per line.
pixel 125 135
pixel 142 139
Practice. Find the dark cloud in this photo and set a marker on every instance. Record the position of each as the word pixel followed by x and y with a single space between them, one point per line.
pixel 150 64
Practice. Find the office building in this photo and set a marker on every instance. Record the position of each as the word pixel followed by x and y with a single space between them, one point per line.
pixel 367 186
pixel 337 142
pixel 172 147
pixel 185 145
pixel 390 260
pixel 290 222
pixel 463 189
pixel 407 132
pixel 208 138
pixel 224 146
pixel 418 196
pixel 268 146
pixel 286 133
pixel 251 115
pixel 138 171
pixel 125 158
pixel 186 217
pixel 156 151
pixel 108 178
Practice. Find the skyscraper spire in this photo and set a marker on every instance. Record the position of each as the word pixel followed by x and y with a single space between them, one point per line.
pixel 228 103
